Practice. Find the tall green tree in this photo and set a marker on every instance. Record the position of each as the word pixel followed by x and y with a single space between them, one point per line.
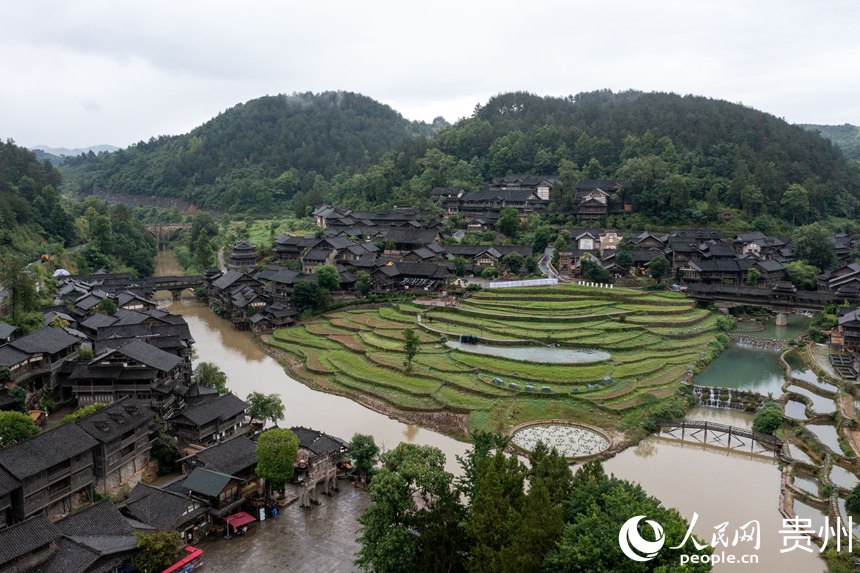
pixel 801 275
pixel 277 450
pixel 494 518
pixel 157 551
pixel 265 407
pixel 657 268
pixel 411 344
pixel 400 535
pixel 328 277
pixel 363 451
pixel 597 508
pixel 811 243
pixel 208 374
pixel 363 284
pixel 513 262
pixel 795 203
pixel 508 222
pixel 15 427
pixel 309 295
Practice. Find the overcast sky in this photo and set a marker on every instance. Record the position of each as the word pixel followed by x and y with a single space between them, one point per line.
pixel 79 73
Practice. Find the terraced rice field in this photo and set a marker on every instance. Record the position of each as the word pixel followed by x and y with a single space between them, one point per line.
pixel 652 339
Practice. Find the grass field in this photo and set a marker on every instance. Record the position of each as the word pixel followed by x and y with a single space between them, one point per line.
pixel 652 339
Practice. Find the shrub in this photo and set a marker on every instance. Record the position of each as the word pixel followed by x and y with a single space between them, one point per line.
pixel 768 418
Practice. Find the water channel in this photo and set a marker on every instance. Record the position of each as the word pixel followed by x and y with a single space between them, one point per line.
pixel 719 485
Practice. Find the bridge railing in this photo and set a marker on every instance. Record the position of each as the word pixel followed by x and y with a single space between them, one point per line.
pixel 717 427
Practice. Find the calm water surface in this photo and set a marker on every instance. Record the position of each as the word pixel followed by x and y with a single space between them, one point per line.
pixel 533 353
pixel 746 369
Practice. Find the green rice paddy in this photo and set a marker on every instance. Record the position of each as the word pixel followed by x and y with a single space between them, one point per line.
pixel 653 338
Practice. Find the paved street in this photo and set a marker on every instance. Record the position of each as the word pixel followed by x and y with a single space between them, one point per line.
pixel 319 540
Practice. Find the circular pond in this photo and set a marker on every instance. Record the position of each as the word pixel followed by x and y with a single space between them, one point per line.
pixel 571 440
pixel 544 354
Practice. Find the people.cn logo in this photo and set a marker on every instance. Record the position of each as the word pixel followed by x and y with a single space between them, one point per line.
pixel 634 546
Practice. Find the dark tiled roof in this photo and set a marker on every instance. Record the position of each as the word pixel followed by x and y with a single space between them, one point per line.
pixel 101 518
pixel 99 320
pixel 316 441
pixel 770 266
pixel 229 278
pixel 48 340
pixel 145 354
pixel 317 255
pixel 206 482
pixel 7 482
pixel 222 408
pixel 6 330
pixel 230 457
pixel 412 236
pixel 161 509
pixel 45 450
pixel 11 356
pixel 112 421
pixel 25 537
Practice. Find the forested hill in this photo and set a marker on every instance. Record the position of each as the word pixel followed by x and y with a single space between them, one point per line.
pixel 252 156
pixel 30 209
pixel 686 159
pixel 845 136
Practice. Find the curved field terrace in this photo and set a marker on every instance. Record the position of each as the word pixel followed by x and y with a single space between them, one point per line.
pixel 646 343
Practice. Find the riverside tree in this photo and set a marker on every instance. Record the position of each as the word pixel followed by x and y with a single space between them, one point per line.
pixel 277 450
pixel 265 407
pixel 208 374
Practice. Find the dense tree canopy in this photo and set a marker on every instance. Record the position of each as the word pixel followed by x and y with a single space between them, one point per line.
pixel 685 159
pixel 208 374
pixel 15 427
pixel 253 156
pixel 277 450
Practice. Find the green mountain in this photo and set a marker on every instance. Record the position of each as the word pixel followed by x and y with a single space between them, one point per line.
pixel 253 156
pixel 846 137
pixel 31 213
pixel 686 159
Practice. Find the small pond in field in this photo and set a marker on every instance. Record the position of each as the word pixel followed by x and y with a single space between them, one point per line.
pixel 842 477
pixel 827 435
pixel 545 354
pixel 795 410
pixel 806 483
pixel 820 404
pixel 570 440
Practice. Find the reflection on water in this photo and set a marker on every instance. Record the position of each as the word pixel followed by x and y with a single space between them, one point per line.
pixel 746 369
pixel 735 418
pixel 806 483
pixel 720 486
pixel 533 353
pixel 795 410
pixel 842 477
pixel 797 326
pixel 806 511
pixel 250 369
pixel 827 435
pixel 820 404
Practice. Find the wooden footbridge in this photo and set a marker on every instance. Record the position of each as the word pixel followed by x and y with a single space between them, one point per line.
pixel 722 435
pixel 174 284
